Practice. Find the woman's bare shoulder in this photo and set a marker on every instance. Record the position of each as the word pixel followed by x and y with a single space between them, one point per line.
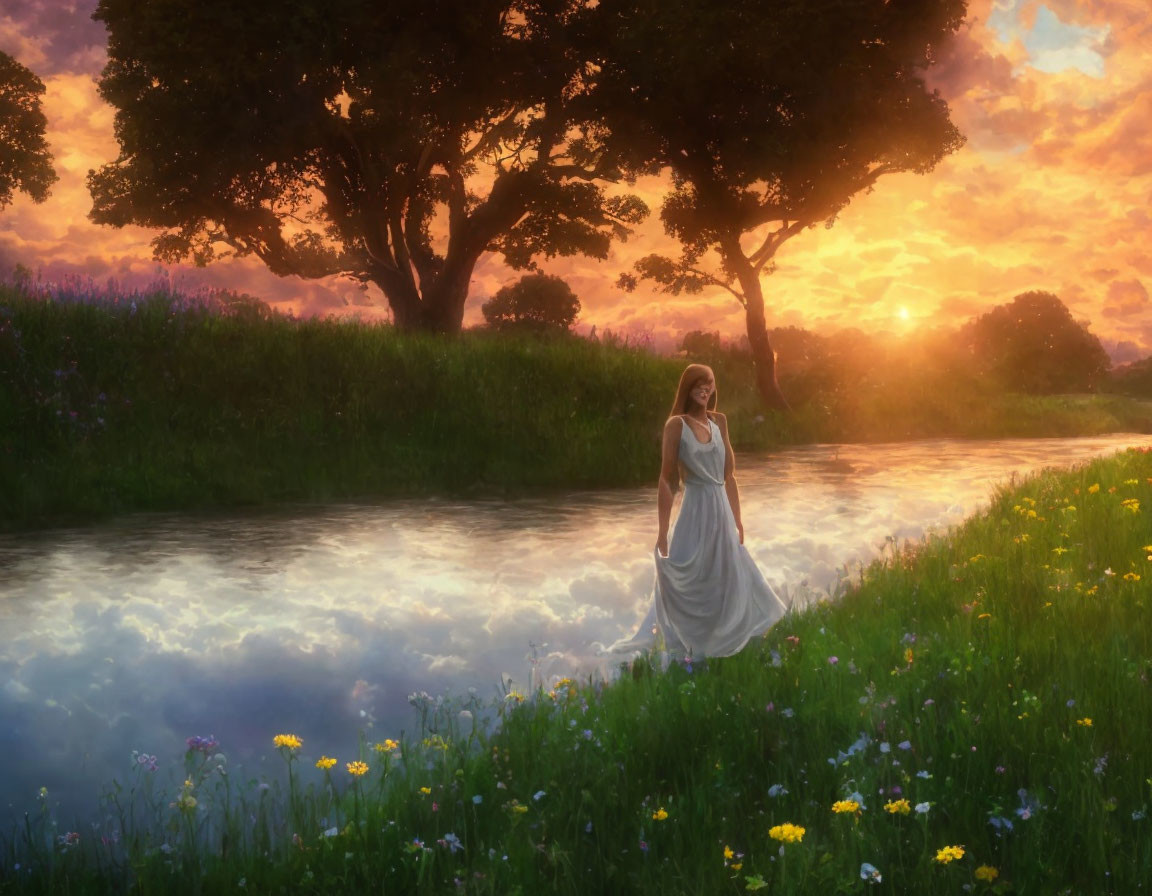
pixel 674 421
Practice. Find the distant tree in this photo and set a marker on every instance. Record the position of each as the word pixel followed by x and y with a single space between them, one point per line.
pixel 1032 344
pixel 537 302
pixel 701 345
pixel 335 137
pixel 25 163
pixel 771 115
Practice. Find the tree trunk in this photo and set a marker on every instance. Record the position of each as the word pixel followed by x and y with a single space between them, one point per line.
pixel 763 357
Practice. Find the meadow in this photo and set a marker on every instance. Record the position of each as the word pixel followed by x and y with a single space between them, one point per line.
pixel 966 714
pixel 114 401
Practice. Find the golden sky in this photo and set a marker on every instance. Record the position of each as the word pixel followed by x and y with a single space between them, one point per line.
pixel 1052 191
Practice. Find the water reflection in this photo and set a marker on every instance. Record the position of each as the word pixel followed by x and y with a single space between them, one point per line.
pixel 320 621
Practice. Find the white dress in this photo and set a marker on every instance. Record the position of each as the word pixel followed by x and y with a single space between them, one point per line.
pixel 708 597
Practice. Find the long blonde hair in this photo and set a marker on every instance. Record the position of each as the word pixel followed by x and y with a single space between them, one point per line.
pixel 692 374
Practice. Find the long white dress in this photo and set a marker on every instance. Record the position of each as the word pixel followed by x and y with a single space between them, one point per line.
pixel 708 597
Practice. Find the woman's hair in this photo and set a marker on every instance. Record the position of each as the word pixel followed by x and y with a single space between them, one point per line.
pixel 692 374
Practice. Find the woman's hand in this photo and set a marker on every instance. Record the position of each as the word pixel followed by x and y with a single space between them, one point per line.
pixel 740 529
pixel 662 545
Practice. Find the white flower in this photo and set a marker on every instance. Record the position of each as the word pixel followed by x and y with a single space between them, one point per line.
pixel 870 873
pixel 922 808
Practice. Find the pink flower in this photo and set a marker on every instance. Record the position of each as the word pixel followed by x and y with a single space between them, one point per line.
pixel 833 660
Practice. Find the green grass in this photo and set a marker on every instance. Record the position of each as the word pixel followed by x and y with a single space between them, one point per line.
pixel 966 669
pixel 107 409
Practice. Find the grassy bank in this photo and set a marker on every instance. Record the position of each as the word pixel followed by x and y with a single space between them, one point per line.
pixel 972 712
pixel 158 403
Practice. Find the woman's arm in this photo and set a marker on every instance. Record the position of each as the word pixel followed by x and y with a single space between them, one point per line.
pixel 730 486
pixel 669 479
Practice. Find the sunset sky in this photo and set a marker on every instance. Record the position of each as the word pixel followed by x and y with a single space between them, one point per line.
pixel 1052 191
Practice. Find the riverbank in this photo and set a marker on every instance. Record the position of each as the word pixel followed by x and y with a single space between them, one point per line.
pixel 966 710
pixel 160 404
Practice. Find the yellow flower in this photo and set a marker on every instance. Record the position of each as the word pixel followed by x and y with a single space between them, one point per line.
pixel 736 866
pixel 325 762
pixel 908 655
pixel 518 807
pixel 1131 481
pixel 356 769
pixel 986 872
pixel 1131 504
pixel 1092 489
pixel 786 833
pixel 1059 550
pixel 389 746
pixel 1148 548
pixel 897 807
pixel 426 790
pixel 728 852
pixel 516 696
pixel 1086 722
pixel 291 741
pixel 949 853
pixel 842 806
pixel 660 814
pixel 1131 577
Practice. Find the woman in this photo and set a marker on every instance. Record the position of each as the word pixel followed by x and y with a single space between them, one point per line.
pixel 709 598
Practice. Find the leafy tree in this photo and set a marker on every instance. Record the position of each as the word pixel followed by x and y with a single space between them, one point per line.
pixel 1032 344
pixel 25 163
pixel 771 115
pixel 347 136
pixel 537 302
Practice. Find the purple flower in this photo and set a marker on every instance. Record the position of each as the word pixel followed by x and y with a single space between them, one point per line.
pixel 205 745
pixel 905 745
pixel 833 660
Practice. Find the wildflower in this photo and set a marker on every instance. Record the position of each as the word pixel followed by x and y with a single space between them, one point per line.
pixel 777 790
pixel 477 800
pixel 357 769
pixel 1000 769
pixel 885 747
pixel 986 873
pixel 728 853
pixel 786 833
pixel 643 846
pixel 984 616
pixel 1084 722
pixel 70 839
pixel 1000 824
pixel 325 762
pixel 793 640
pixel 538 795
pixel 1094 488
pixel 144 760
pixel 833 660
pixel 897 807
pixel 332 832
pixel 389 746
pixel 203 745
pixel 659 814
pixel 515 696
pixel 518 807
pixel 1131 504
pixel 787 712
pixel 453 842
pixel 924 773
pixel 425 790
pixel 290 741
pixel 1131 577
pixel 905 745
pixel 949 854
pixel 922 808
pixel 870 873
pixel 908 655
pixel 841 807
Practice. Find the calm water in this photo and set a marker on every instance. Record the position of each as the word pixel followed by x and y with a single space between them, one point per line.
pixel 138 633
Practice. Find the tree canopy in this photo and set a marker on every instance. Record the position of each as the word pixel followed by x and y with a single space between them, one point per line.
pixel 537 303
pixel 25 162
pixel 1033 344
pixel 394 143
pixel 771 115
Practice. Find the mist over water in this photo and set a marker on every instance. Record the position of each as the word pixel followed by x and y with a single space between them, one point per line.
pixel 138 633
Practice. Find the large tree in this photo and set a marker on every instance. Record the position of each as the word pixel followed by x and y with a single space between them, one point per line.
pixel 392 142
pixel 770 115
pixel 25 162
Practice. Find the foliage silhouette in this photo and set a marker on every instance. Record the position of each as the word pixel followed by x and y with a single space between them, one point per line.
pixel 25 162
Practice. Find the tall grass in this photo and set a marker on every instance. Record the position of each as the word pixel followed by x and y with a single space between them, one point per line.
pixel 157 400
pixel 975 704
